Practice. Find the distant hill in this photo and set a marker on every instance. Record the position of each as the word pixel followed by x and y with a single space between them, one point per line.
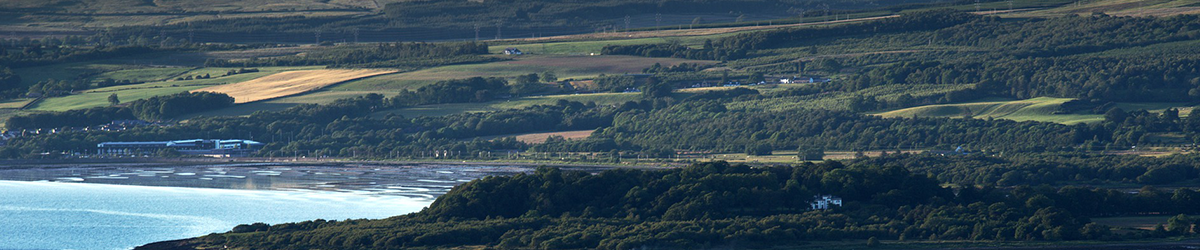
pixel 310 21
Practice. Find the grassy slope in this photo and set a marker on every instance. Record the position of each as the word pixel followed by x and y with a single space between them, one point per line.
pixel 142 74
pixel 454 108
pixel 839 100
pixel 565 67
pixel 587 47
pixel 1036 109
pixel 68 71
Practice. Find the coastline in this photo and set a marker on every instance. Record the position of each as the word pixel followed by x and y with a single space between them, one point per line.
pixel 255 161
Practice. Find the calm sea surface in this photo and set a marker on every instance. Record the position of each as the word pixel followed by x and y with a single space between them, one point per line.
pixel 124 207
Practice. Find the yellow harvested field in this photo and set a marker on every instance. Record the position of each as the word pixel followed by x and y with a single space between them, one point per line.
pixel 541 137
pixel 290 83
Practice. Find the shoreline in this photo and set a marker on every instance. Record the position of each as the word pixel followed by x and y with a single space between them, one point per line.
pixel 253 161
pixel 426 179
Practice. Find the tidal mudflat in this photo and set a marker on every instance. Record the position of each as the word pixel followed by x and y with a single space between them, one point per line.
pixel 122 206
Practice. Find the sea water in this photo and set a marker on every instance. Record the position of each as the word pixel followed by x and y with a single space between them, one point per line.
pixel 64 215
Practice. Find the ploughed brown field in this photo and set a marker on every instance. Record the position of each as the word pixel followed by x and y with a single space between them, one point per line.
pixel 290 83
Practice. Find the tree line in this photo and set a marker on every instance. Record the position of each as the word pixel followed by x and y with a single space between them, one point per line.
pixel 154 108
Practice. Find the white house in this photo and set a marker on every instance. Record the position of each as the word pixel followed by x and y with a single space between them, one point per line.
pixel 822 202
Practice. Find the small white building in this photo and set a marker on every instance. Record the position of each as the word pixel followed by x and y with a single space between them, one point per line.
pixel 822 202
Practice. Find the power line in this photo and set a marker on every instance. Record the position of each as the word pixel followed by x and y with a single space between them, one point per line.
pixel 498 25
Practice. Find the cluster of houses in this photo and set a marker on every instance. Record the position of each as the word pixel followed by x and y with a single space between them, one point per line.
pixel 822 202
pixel 118 125
pixel 791 80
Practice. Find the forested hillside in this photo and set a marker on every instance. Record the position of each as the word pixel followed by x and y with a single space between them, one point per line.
pixel 390 20
pixel 1021 59
pixel 717 205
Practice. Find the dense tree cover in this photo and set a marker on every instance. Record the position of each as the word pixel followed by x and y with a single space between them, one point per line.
pixel 455 20
pixel 71 118
pixel 707 125
pixel 695 126
pixel 736 47
pixel 344 128
pixel 1021 58
pixel 654 126
pixel 381 55
pixel 52 87
pixel 673 50
pixel 615 83
pixel 27 52
pixel 651 87
pixel 1047 168
pixel 682 67
pixel 171 106
pixel 716 205
pixel 8 79
pixel 475 89
pixel 40 54
pixel 1070 34
pixel 154 108
pixel 1110 79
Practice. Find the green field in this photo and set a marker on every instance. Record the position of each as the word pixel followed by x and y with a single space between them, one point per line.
pixel 99 97
pixel 455 108
pixel 1036 109
pixel 142 74
pixel 14 103
pixel 1117 7
pixel 565 67
pixel 590 47
pixel 324 97
pixel 68 71
pixel 839 100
